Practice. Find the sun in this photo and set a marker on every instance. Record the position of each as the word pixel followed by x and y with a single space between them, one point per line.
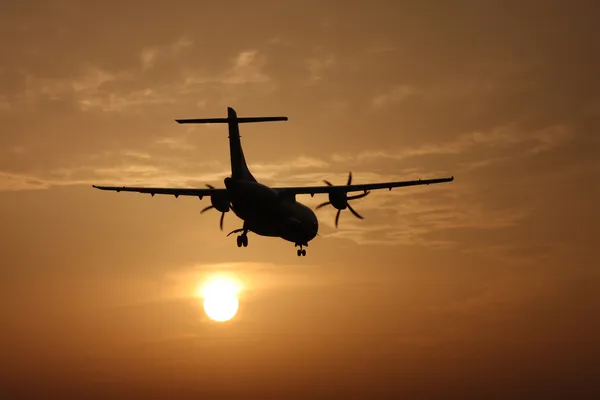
pixel 220 296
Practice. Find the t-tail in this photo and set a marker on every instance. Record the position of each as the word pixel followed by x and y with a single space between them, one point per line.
pixel 239 169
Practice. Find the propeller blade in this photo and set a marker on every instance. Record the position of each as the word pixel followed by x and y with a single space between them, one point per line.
pixel 222 218
pixel 328 183
pixel 337 218
pixel 206 209
pixel 349 178
pixel 357 215
pixel 210 186
pixel 358 196
pixel 323 204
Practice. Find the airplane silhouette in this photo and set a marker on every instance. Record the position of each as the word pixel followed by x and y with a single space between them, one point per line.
pixel 269 211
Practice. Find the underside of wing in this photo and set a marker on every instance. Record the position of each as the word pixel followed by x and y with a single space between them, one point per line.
pixel 168 191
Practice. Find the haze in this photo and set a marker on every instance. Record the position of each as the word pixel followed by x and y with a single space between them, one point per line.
pixel 486 287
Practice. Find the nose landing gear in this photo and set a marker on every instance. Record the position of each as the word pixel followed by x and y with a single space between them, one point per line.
pixel 301 251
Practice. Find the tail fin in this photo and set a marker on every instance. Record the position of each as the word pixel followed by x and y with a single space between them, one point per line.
pixel 239 169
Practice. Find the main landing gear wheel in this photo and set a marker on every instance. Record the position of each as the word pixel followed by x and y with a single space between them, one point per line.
pixel 242 240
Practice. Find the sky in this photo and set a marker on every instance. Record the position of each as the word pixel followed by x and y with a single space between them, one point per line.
pixel 483 287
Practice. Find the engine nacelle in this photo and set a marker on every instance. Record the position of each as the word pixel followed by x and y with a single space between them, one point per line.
pixel 220 201
pixel 339 200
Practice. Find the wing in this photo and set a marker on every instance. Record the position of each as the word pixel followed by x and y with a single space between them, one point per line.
pixel 284 190
pixel 170 191
pixel 359 188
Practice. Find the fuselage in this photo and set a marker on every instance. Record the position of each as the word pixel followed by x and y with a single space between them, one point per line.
pixel 267 212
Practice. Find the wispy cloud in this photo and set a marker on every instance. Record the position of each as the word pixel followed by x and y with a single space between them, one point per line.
pixel 150 55
pixel 410 216
pixel 90 81
pixel 95 88
pixel 176 143
pixel 317 66
pixel 279 41
pixel 17 182
pixel 276 170
pixel 113 102
pixel 504 136
pixel 133 167
pixel 247 68
pixel 394 95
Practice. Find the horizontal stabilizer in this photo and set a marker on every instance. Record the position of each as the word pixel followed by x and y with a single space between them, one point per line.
pixel 202 121
pixel 232 118
pixel 228 120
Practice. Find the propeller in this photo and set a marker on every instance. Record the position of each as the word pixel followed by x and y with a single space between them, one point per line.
pixel 340 200
pixel 219 204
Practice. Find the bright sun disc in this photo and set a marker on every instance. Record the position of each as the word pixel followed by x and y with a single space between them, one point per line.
pixel 220 298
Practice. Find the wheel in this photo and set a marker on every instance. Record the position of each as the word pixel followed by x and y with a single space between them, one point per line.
pixel 239 241
pixel 245 241
pixel 299 253
pixel 303 252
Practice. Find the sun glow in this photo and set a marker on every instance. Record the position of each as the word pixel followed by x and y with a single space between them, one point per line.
pixel 220 296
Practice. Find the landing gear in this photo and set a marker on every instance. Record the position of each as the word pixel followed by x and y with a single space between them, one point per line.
pixel 301 251
pixel 242 240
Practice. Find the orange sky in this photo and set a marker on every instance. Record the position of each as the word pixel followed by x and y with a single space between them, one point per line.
pixel 485 286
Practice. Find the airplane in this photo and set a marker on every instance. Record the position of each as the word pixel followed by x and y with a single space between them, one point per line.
pixel 269 211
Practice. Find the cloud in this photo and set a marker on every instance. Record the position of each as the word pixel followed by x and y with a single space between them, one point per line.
pixel 181 44
pixel 411 216
pixel 247 68
pixel 176 143
pixel 115 102
pixel 150 55
pixel 318 65
pixel 133 167
pixel 90 81
pixel 279 41
pixel 16 182
pixel 136 155
pixel 500 137
pixel 95 88
pixel 396 94
pixel 549 138
pixel 275 170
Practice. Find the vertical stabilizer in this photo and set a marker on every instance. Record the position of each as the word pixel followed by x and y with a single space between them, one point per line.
pixel 239 169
